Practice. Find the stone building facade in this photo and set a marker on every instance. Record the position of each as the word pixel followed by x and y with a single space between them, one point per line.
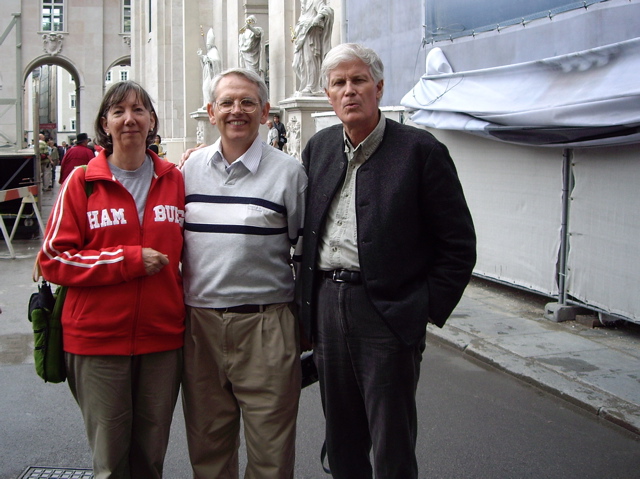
pixel 160 39
pixel 167 36
pixel 85 37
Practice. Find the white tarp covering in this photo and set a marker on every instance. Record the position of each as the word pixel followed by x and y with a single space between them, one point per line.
pixel 604 251
pixel 588 98
pixel 515 197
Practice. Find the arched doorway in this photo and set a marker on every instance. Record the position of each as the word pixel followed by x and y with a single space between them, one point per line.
pixel 52 100
pixel 119 70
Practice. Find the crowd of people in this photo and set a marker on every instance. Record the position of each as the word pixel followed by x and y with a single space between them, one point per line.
pixel 213 277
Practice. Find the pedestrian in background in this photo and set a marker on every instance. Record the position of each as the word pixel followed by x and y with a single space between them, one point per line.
pixel 272 136
pixel 45 163
pixel 54 156
pixel 282 131
pixel 156 141
pixel 78 155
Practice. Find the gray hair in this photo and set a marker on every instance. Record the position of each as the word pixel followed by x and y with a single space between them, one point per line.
pixel 347 52
pixel 253 77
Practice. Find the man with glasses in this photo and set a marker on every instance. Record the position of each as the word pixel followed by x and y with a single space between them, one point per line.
pixel 244 212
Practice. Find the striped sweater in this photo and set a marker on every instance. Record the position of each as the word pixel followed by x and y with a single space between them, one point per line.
pixel 241 227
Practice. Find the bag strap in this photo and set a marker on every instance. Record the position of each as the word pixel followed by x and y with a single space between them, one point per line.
pixel 323 455
pixel 88 185
pixel 36 274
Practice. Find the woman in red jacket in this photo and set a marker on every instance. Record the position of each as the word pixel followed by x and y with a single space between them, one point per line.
pixel 117 246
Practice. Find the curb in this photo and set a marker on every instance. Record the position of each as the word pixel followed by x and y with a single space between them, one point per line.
pixel 569 388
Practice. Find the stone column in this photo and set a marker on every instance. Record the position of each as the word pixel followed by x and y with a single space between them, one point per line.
pixel 199 17
pixel 206 133
pixel 282 17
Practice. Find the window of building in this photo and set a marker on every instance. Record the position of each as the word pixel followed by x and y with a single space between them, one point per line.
pixel 126 16
pixel 124 75
pixel 72 100
pixel 73 124
pixel 108 78
pixel 52 15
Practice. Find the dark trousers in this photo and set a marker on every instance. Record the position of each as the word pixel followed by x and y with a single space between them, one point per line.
pixel 368 382
pixel 127 403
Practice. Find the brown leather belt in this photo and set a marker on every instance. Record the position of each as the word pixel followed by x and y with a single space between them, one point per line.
pixel 342 276
pixel 244 309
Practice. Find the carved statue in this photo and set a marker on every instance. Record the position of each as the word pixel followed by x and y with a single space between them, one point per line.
pixel 293 145
pixel 52 43
pixel 312 41
pixel 249 38
pixel 211 66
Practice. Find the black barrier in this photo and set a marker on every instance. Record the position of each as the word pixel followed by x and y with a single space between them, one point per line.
pixel 18 169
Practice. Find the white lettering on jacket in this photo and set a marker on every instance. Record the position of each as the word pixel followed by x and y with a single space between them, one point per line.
pixel 168 213
pixel 106 217
pixel 112 216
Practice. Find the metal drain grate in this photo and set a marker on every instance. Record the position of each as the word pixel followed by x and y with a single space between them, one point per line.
pixel 40 472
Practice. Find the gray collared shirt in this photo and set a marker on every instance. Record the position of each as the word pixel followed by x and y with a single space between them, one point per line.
pixel 250 159
pixel 338 247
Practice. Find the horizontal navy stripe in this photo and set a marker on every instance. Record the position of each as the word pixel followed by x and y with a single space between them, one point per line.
pixel 234 229
pixel 242 200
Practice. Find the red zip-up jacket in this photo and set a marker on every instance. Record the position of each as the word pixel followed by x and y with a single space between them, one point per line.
pixel 94 245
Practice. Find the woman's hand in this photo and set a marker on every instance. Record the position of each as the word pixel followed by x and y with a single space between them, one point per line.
pixel 153 260
pixel 185 156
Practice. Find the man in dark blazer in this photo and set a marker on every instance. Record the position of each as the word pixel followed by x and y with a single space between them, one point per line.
pixel 389 246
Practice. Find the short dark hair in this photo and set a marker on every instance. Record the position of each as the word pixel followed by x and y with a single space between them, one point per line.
pixel 117 94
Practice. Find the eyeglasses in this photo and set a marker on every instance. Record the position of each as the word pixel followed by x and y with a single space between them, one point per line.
pixel 246 105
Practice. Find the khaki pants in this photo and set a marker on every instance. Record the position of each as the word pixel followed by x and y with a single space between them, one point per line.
pixel 241 364
pixel 127 404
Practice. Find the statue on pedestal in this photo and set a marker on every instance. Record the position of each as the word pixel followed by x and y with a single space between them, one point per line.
pixel 211 65
pixel 312 41
pixel 249 39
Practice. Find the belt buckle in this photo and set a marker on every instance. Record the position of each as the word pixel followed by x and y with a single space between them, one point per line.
pixel 335 278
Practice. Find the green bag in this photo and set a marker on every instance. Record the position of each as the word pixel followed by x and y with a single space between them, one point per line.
pixel 45 314
pixel 45 311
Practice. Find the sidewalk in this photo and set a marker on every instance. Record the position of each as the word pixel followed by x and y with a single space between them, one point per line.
pixel 596 368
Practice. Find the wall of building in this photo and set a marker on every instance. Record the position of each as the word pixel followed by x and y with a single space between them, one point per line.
pixel 91 42
pixel 395 31
pixel 10 92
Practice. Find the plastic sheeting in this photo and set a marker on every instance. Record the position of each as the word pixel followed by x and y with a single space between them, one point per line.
pixel 516 208
pixel 588 98
pixel 604 252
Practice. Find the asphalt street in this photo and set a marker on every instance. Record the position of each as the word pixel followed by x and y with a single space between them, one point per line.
pixel 474 422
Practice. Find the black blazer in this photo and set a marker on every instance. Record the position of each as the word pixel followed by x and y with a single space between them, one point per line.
pixel 416 241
